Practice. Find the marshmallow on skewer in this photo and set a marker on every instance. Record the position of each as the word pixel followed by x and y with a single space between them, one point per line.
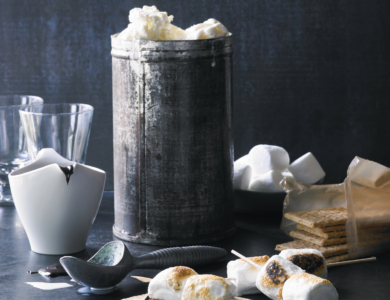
pixel 208 287
pixel 268 182
pixel 310 260
pixel 274 274
pixel 242 173
pixel 307 169
pixel 245 274
pixel 305 286
pixel 263 158
pixel 169 284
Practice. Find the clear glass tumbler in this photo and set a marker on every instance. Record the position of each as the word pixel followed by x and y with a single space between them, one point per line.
pixel 65 127
pixel 13 149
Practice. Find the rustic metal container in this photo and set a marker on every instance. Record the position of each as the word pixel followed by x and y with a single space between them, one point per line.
pixel 173 147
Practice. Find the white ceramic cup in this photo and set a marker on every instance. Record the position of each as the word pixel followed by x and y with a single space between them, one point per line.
pixel 57 215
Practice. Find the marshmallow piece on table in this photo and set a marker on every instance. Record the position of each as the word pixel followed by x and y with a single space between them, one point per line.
pixel 169 284
pixel 263 158
pixel 273 276
pixel 310 260
pixel 242 173
pixel 208 287
pixel 305 286
pixel 245 274
pixel 307 169
pixel 268 182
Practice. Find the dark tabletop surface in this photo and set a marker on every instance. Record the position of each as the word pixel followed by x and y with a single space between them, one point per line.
pixel 256 235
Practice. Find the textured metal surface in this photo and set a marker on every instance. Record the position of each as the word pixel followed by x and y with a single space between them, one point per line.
pixel 308 75
pixel 173 146
pixel 191 256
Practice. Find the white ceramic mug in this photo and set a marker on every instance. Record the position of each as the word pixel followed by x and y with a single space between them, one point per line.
pixel 57 215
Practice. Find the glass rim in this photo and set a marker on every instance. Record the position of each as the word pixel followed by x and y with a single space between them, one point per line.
pixel 88 109
pixel 38 103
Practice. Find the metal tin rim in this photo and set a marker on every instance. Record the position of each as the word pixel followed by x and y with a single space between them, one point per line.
pixel 184 242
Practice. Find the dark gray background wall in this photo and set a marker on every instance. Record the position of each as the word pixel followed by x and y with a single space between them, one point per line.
pixel 308 75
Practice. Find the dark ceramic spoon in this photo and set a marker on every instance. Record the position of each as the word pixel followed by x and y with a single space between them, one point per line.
pixel 111 264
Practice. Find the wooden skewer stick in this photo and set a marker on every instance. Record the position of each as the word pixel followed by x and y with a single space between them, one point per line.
pixel 145 279
pixel 246 259
pixel 347 262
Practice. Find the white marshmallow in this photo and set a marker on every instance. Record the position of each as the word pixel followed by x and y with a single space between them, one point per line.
pixel 273 276
pixel 242 173
pixel 263 158
pixel 288 175
pixel 308 287
pixel 169 284
pixel 208 287
pixel 307 169
pixel 245 274
pixel 268 182
pixel 310 260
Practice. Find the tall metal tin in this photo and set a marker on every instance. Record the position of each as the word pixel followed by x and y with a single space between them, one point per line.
pixel 173 147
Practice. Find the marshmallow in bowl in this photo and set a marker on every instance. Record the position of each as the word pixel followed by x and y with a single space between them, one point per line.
pixel 310 260
pixel 307 169
pixel 267 183
pixel 305 286
pixel 208 287
pixel 263 158
pixel 169 284
pixel 242 173
pixel 274 274
pixel 245 274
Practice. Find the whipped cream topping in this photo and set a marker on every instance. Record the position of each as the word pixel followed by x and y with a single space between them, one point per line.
pixel 206 30
pixel 148 23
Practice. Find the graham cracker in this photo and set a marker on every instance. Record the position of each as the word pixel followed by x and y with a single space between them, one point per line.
pixel 325 235
pixel 326 251
pixel 320 241
pixel 337 258
pixel 319 217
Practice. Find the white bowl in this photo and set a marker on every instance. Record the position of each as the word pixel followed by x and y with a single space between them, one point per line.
pixel 57 216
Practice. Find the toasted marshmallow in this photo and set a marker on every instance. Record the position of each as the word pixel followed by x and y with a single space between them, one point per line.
pixel 310 260
pixel 207 30
pixel 169 284
pixel 208 287
pixel 308 287
pixel 245 274
pixel 274 274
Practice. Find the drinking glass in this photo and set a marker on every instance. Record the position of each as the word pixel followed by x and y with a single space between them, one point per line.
pixel 65 127
pixel 13 149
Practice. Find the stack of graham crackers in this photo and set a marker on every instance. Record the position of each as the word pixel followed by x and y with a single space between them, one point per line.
pixel 320 229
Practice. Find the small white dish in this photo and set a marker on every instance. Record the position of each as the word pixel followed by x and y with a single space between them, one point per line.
pixel 57 215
